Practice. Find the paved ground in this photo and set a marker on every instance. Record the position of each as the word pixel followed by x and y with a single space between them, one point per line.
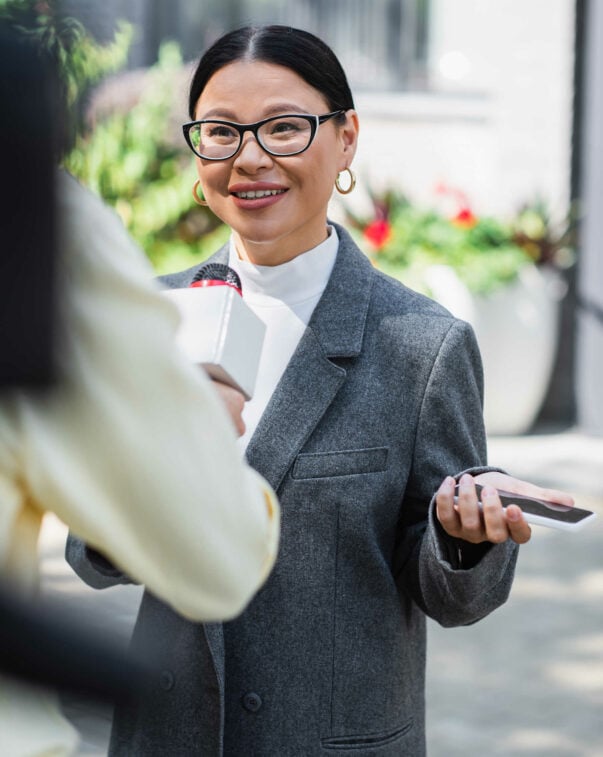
pixel 528 680
pixel 525 682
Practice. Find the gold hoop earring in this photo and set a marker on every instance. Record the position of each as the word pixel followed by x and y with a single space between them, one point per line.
pixel 352 178
pixel 199 200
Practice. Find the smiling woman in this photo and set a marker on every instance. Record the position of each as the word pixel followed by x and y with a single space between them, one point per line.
pixel 368 396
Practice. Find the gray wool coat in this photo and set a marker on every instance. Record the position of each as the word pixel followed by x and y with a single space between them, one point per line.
pixel 381 400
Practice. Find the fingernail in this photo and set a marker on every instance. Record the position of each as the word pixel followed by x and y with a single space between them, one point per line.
pixel 466 481
pixel 447 484
pixel 488 491
pixel 513 513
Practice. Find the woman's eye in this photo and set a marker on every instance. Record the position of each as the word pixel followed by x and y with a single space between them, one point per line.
pixel 219 131
pixel 284 127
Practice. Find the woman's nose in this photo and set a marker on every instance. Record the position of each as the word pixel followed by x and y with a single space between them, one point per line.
pixel 251 155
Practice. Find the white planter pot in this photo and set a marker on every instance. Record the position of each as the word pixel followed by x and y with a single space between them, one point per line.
pixel 517 330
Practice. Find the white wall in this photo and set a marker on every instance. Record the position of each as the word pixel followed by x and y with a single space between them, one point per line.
pixel 498 121
pixel 589 361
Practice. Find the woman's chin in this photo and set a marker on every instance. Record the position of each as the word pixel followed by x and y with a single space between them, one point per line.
pixel 264 243
pixel 274 243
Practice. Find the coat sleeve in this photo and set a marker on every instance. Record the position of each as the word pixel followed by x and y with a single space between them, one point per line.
pixel 450 440
pixel 92 566
pixel 132 448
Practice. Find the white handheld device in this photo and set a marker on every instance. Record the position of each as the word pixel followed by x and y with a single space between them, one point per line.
pixel 539 512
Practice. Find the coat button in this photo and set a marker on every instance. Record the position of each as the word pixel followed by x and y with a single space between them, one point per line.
pixel 252 701
pixel 166 680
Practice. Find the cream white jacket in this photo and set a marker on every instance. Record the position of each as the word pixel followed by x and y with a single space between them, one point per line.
pixel 132 448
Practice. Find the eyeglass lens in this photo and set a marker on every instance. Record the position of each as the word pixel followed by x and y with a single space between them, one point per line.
pixel 281 136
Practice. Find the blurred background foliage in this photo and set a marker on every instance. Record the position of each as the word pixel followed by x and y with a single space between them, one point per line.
pixel 129 151
pixel 80 61
pixel 136 159
pixel 404 239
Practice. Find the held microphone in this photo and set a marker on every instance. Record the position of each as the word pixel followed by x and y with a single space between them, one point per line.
pixel 217 329
pixel 217 274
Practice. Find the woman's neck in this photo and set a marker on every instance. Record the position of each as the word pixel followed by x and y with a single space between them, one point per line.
pixel 277 251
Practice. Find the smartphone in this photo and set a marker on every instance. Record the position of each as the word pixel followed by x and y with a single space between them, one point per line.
pixel 542 513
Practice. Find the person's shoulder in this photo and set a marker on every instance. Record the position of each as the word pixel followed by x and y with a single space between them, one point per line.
pixel 76 201
pixel 93 239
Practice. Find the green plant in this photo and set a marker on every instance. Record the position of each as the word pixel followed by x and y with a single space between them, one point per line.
pixel 133 157
pixel 81 62
pixel 134 161
pixel 404 239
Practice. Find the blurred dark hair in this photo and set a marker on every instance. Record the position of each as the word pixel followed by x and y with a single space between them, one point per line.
pixel 29 135
pixel 32 50
pixel 46 644
pixel 300 51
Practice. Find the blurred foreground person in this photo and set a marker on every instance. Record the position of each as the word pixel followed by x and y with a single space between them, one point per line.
pixel 129 444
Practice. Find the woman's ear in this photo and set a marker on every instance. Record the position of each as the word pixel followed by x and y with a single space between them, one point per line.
pixel 349 137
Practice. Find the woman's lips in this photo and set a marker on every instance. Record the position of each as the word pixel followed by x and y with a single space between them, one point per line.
pixel 256 196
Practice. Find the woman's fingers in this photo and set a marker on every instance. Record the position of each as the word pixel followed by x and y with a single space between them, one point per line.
pixel 495 521
pixel 519 530
pixel 459 512
pixel 472 522
pixel 465 517
pixel 445 508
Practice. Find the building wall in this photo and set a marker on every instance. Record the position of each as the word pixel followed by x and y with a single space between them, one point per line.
pixel 497 119
pixel 589 373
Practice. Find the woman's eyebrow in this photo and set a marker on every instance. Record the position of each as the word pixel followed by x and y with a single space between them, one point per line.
pixel 272 110
pixel 278 108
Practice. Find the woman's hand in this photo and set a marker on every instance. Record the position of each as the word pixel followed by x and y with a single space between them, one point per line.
pixel 464 519
pixel 234 403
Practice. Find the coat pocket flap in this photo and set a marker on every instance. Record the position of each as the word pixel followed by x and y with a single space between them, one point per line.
pixel 343 463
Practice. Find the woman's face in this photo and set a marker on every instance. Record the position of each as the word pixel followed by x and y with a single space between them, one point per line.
pixel 275 228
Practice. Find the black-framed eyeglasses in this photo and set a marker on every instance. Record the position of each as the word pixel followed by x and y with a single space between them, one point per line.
pixel 289 134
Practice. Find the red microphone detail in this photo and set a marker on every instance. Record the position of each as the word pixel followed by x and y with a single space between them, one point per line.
pixel 217 274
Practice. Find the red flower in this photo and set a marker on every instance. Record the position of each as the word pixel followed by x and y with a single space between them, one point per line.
pixel 464 219
pixel 378 233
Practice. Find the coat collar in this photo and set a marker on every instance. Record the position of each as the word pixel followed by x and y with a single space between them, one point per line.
pixel 339 318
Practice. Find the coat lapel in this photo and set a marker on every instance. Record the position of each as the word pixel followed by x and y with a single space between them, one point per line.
pixel 305 391
pixel 312 378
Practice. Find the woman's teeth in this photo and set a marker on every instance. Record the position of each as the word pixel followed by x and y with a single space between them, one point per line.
pixel 256 194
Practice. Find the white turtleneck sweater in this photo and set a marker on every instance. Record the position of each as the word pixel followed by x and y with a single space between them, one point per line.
pixel 284 297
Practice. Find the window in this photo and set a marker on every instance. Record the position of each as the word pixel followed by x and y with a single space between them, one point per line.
pixel 381 43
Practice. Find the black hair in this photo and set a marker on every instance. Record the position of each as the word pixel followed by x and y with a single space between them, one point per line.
pixel 29 136
pixel 300 51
